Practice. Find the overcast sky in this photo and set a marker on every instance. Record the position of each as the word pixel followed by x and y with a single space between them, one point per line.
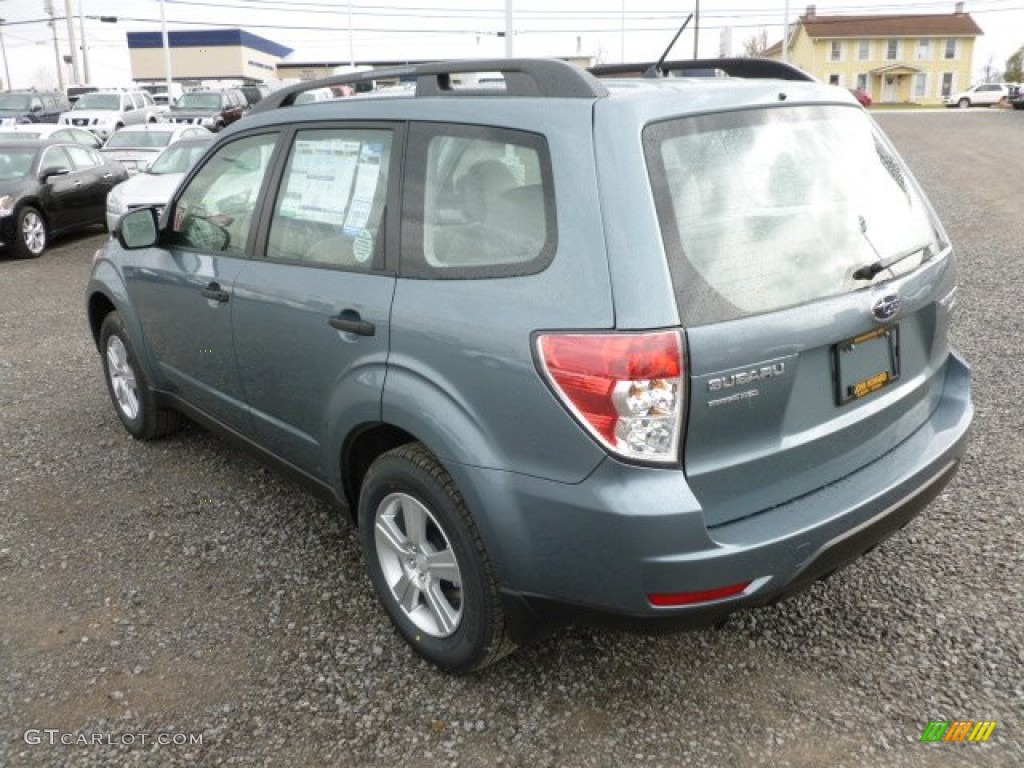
pixel 427 29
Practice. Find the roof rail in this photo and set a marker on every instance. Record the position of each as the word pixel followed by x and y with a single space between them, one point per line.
pixel 734 67
pixel 544 78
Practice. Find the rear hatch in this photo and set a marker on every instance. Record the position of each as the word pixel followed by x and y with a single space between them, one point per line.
pixel 813 281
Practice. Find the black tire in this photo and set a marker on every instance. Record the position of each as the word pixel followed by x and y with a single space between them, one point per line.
pixel 31 237
pixel 407 476
pixel 964 103
pixel 133 398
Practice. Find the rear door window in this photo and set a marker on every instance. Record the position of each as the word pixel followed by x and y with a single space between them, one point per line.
pixel 766 209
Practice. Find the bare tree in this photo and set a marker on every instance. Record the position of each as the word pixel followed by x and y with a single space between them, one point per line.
pixel 755 45
pixel 990 72
pixel 1015 66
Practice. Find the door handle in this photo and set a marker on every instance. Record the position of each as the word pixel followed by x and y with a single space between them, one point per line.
pixel 213 291
pixel 349 321
pixel 78 183
pixel 108 175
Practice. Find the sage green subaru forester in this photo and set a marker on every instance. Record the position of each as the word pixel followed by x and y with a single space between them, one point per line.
pixel 570 348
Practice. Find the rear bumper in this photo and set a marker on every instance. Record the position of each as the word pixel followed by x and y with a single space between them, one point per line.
pixel 592 552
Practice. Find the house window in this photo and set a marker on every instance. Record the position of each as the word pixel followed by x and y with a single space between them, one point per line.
pixel 920 85
pixel 892 49
pixel 947 83
pixel 950 48
pixel 835 52
pixel 864 50
pixel 862 81
pixel 833 79
pixel 924 49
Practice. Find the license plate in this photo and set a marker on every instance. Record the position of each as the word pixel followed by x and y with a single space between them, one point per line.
pixel 866 363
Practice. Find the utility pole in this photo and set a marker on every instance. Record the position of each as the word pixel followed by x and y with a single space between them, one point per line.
pixel 71 41
pixel 167 51
pixel 3 46
pixel 509 29
pixel 85 48
pixel 56 45
pixel 696 28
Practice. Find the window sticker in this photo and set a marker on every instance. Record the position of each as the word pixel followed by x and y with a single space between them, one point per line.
pixel 320 183
pixel 362 246
pixel 367 177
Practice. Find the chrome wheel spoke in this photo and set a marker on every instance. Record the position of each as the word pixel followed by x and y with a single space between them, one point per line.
pixel 414 515
pixel 443 567
pixel 446 616
pixel 407 592
pixel 391 536
pixel 115 357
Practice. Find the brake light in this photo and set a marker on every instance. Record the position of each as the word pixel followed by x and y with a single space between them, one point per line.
pixel 626 388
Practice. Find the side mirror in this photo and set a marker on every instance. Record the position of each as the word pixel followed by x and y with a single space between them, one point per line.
pixel 138 229
pixel 36 108
pixel 205 234
pixel 53 170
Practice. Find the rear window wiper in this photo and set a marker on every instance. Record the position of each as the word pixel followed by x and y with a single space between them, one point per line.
pixel 870 271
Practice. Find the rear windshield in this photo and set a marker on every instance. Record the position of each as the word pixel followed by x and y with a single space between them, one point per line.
pixel 98 101
pixel 139 140
pixel 14 101
pixel 199 101
pixel 766 209
pixel 177 158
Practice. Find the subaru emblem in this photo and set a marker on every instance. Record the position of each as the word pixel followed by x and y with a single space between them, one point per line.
pixel 886 307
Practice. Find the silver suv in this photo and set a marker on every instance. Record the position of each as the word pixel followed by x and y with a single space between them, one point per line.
pixel 644 350
pixel 104 112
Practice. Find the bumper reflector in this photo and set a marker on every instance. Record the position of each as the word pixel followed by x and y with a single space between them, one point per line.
pixel 662 599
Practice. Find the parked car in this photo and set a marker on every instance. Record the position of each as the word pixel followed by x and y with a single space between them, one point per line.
pixel 74 91
pixel 154 184
pixel 981 95
pixel 862 96
pixel 164 99
pixel 253 93
pixel 1016 97
pixel 53 131
pixel 316 94
pixel 137 145
pixel 210 109
pixel 48 188
pixel 104 112
pixel 572 349
pixel 31 107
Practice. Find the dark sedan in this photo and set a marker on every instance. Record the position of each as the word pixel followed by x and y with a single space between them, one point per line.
pixel 48 188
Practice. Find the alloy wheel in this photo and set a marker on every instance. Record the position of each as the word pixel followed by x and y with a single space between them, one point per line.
pixel 418 564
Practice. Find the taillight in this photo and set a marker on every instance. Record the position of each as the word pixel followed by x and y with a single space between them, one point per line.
pixel 626 388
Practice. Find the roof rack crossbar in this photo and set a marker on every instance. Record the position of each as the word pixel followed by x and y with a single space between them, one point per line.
pixel 545 78
pixel 734 67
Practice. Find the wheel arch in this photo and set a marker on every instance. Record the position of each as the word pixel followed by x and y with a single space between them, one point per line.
pixel 98 306
pixel 361 449
pixel 36 203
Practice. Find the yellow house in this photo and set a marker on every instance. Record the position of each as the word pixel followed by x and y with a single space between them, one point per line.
pixel 919 58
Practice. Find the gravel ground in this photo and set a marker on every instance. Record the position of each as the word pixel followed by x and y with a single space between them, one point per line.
pixel 179 588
